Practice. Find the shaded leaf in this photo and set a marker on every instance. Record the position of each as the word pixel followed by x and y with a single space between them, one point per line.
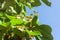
pixel 1 0
pixel 46 32
pixel 38 38
pixel 2 31
pixel 36 3
pixel 18 9
pixel 47 2
pixel 34 20
pixel 18 32
pixel 29 5
pixel 47 28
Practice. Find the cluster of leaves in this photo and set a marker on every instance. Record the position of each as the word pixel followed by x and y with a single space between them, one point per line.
pixel 15 25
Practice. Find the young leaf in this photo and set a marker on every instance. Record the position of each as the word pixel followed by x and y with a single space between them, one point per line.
pixel 16 21
pixel 34 33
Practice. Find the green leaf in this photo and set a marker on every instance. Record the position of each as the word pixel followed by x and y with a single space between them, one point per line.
pixel 2 31
pixel 47 28
pixel 18 8
pixel 37 22
pixel 1 0
pixel 22 0
pixel 23 11
pixel 1 14
pixel 29 5
pixel 16 21
pixel 10 17
pixel 38 38
pixel 19 1
pixel 4 24
pixel 0 22
pixel 46 32
pixel 7 3
pixel 34 20
pixel 47 2
pixel 36 3
pixel 18 32
pixel 34 33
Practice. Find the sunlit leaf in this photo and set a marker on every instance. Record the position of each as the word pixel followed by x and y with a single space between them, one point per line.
pixel 34 33
pixel 16 21
pixel 1 14
pixel 10 17
pixel 0 22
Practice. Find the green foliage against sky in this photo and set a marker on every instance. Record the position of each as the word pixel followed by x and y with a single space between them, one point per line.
pixel 14 22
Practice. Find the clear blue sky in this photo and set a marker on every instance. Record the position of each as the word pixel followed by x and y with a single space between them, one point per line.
pixel 50 16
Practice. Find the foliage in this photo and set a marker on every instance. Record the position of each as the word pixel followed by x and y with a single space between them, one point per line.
pixel 16 25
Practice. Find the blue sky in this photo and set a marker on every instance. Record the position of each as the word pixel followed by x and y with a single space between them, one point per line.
pixel 50 16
